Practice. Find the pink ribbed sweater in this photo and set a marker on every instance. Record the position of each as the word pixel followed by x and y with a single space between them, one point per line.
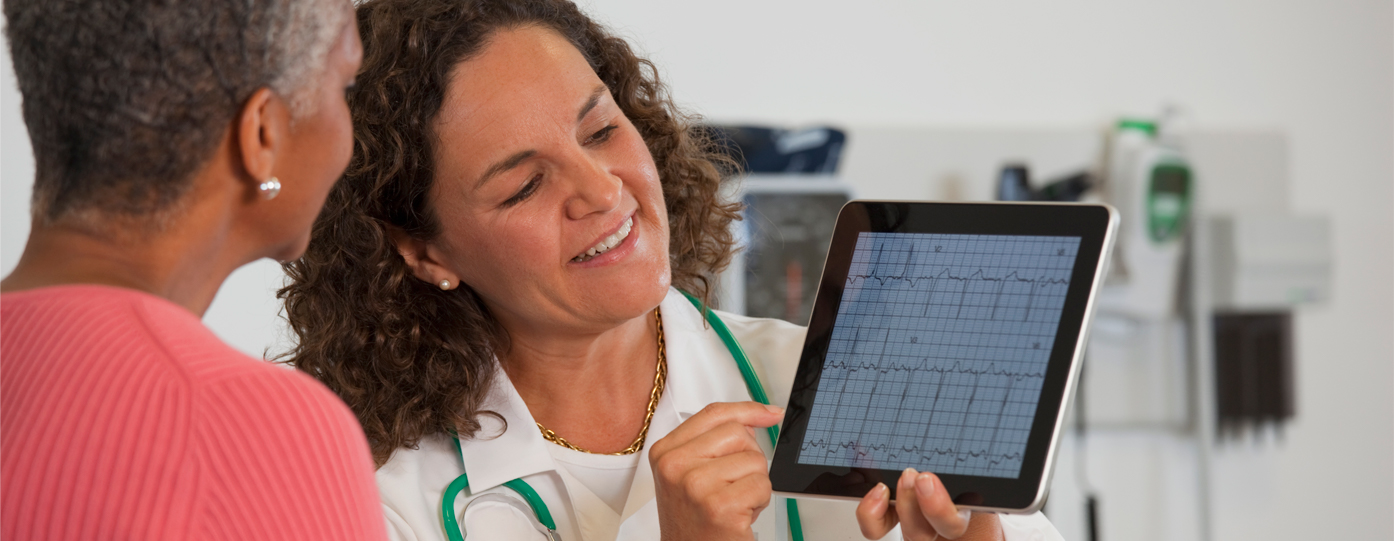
pixel 122 417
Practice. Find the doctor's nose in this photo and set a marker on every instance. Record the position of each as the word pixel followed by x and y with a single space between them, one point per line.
pixel 594 189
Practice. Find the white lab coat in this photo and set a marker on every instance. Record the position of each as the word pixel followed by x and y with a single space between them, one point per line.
pixel 700 372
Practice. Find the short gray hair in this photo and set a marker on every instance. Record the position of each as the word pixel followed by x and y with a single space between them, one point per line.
pixel 301 44
pixel 125 99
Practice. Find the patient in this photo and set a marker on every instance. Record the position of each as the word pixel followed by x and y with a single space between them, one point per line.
pixel 175 141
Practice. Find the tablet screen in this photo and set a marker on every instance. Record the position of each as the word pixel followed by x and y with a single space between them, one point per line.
pixel 939 352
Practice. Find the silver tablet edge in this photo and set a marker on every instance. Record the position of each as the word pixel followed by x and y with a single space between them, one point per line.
pixel 979 508
pixel 1072 381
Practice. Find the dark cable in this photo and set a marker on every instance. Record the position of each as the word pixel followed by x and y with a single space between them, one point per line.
pixel 1091 502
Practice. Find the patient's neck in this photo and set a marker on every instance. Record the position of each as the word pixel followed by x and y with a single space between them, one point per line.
pixel 184 263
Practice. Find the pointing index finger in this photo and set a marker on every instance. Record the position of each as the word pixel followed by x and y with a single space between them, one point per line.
pixel 751 414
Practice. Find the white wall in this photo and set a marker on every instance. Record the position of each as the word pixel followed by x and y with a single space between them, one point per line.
pixel 1320 72
pixel 16 169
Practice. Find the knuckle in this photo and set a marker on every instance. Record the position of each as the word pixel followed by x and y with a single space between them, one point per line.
pixel 668 468
pixel 720 409
pixel 763 499
pixel 658 450
pixel 692 482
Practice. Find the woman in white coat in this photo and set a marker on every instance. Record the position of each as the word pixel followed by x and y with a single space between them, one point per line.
pixel 493 288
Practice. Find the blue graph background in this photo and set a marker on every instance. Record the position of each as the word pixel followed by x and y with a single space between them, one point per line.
pixel 939 352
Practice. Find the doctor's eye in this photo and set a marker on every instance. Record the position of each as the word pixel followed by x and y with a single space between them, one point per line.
pixel 528 189
pixel 602 135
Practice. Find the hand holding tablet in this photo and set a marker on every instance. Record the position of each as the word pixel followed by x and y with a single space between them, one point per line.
pixel 945 337
pixel 923 510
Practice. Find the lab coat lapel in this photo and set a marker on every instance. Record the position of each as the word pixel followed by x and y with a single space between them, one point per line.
pixel 700 369
pixel 495 455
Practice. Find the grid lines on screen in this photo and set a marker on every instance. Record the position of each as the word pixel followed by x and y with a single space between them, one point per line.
pixel 939 352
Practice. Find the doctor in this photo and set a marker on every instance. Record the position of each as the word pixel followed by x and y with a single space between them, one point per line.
pixel 493 288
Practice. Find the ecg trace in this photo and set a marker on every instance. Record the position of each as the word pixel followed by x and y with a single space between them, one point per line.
pixel 939 352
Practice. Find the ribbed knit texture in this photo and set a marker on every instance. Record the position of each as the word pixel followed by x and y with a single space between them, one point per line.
pixel 123 418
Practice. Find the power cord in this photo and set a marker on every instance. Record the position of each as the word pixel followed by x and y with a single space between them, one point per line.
pixel 1091 501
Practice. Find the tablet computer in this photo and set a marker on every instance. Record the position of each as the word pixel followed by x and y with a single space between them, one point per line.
pixel 944 337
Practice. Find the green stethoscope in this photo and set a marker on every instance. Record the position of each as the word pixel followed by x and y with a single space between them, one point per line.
pixel 544 522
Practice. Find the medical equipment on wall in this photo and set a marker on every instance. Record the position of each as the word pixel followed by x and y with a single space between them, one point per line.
pixel 791 198
pixel 786 230
pixel 542 515
pixel 1262 268
pixel 758 149
pixel 1151 183
pixel 1269 262
pixel 1014 184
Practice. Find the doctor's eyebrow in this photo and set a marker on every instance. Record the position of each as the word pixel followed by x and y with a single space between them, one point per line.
pixel 503 165
pixel 592 102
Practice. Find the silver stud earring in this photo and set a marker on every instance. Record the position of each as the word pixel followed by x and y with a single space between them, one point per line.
pixel 445 285
pixel 270 189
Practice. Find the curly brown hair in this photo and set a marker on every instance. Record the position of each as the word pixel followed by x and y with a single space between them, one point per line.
pixel 410 359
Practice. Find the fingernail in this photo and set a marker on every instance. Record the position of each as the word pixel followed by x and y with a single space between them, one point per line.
pixel 881 499
pixel 965 515
pixel 907 477
pixel 924 484
pixel 774 409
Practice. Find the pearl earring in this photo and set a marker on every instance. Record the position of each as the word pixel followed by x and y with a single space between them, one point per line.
pixel 270 189
pixel 445 285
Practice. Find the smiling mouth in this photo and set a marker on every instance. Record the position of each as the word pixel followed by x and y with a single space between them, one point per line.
pixel 607 243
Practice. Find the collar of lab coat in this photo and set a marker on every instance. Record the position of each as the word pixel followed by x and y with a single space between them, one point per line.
pixel 496 456
pixel 700 371
pixel 700 368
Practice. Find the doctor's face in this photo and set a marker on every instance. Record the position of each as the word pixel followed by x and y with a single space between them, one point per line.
pixel 549 201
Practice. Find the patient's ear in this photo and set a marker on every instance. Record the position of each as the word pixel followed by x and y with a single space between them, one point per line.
pixel 422 257
pixel 263 126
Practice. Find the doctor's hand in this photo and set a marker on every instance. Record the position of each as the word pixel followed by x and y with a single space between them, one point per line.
pixel 924 511
pixel 710 477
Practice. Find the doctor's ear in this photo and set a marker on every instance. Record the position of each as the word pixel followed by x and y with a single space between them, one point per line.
pixel 423 259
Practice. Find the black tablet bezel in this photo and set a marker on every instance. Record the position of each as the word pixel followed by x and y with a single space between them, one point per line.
pixel 1093 224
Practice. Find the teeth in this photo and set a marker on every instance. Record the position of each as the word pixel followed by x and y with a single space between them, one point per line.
pixel 607 243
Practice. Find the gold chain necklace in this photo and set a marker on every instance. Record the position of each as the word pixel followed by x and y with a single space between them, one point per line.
pixel 659 380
